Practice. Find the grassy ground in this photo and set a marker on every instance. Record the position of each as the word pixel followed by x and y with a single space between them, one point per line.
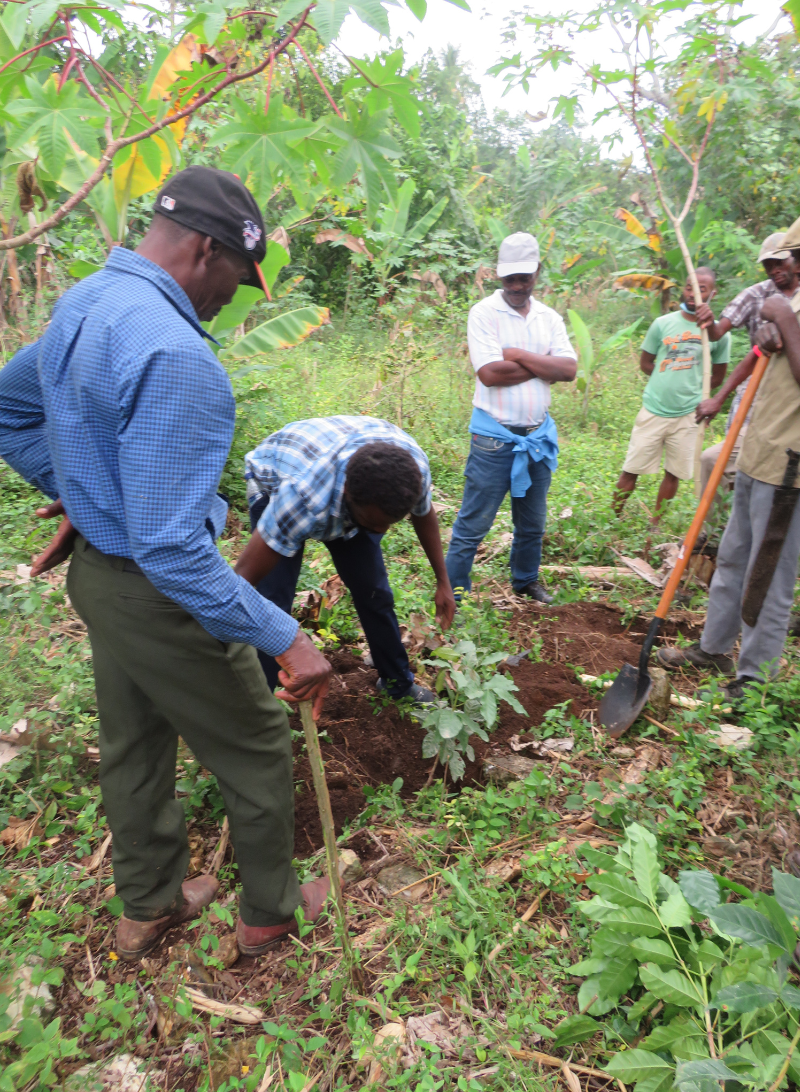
pixel 315 1026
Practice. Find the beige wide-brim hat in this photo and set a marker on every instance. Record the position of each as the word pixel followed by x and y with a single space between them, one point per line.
pixel 774 247
pixel 519 253
pixel 791 240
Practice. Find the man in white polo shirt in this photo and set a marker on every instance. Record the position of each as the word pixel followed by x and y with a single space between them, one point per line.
pixel 518 347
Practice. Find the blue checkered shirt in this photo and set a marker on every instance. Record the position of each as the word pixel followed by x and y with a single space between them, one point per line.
pixel 302 470
pixel 122 411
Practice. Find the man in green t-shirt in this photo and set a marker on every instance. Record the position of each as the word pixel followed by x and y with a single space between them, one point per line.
pixel 672 356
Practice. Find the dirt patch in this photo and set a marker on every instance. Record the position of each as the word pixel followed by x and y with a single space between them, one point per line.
pixel 366 742
pixel 592 636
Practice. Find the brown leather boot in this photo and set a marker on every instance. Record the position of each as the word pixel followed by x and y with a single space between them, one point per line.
pixel 257 939
pixel 136 938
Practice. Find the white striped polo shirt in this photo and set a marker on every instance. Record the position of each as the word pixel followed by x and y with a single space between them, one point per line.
pixel 493 326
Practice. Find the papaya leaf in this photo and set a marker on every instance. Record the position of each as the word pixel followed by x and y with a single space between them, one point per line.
pixel 365 148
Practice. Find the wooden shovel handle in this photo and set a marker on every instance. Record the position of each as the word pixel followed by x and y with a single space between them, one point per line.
pixel 711 488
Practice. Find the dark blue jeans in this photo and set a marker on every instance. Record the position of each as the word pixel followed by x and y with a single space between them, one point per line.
pixel 488 474
pixel 359 562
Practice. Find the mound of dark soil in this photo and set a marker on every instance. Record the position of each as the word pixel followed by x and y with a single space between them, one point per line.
pixel 368 742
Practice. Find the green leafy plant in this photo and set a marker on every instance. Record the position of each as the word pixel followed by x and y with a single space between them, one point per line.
pixel 588 360
pixel 702 983
pixel 474 696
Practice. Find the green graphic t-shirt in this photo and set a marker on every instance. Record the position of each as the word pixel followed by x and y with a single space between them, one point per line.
pixel 676 386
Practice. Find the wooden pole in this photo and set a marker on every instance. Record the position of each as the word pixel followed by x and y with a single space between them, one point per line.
pixel 328 832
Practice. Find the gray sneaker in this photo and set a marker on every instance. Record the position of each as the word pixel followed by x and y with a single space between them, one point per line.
pixel 693 656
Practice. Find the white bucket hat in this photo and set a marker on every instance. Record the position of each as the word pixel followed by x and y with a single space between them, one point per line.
pixel 519 253
pixel 773 247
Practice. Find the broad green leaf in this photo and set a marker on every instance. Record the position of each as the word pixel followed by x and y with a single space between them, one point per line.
pixel 629 919
pixel 700 889
pixel 590 999
pixel 675 912
pixel 385 87
pixel 598 859
pixel 419 7
pixel 460 4
pixel 672 987
pixel 786 889
pixel 617 979
pixel 741 921
pixel 449 724
pixel 790 996
pixel 617 889
pixel 680 1028
pixel 646 870
pixel 328 15
pixel 236 311
pixel 426 222
pixel 637 1065
pixel 660 1081
pixel 365 148
pixel 274 261
pixel 278 333
pixel 575 1029
pixel 80 268
pixel 616 234
pixel 690 1049
pixel 611 944
pixel 14 20
pixel 743 997
pixel 714 1069
pixel 708 954
pixel 771 908
pixel 589 966
pixel 583 340
pixel 653 950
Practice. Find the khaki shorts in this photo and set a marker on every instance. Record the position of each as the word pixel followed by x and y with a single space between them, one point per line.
pixel 652 435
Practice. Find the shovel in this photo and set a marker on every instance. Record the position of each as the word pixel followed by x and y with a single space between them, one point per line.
pixel 626 698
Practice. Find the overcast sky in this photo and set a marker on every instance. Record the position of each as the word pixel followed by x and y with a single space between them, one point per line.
pixel 478 38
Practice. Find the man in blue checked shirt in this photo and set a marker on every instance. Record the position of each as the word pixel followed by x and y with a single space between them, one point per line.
pixel 344 481
pixel 123 413
pixel 518 348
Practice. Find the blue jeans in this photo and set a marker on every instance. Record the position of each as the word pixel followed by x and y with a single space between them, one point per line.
pixel 359 562
pixel 488 474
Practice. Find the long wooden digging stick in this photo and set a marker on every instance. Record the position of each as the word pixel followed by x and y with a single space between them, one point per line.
pixel 328 830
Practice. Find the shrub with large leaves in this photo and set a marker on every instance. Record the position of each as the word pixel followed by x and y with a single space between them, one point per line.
pixel 475 691
pixel 699 986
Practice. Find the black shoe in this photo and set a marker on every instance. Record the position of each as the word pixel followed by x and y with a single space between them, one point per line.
pixel 536 591
pixel 693 656
pixel 732 694
pixel 419 695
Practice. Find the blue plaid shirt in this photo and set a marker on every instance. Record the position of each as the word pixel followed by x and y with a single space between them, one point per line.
pixel 123 412
pixel 302 470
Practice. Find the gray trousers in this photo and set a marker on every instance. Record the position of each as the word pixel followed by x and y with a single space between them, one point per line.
pixel 762 645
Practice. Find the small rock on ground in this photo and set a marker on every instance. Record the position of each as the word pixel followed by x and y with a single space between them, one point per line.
pixel 350 867
pixel 26 998
pixel 396 877
pixel 122 1074
pixel 500 769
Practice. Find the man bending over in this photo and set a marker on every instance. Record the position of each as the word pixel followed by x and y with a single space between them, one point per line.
pixel 343 481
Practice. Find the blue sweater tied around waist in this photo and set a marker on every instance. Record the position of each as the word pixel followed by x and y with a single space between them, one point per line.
pixel 541 444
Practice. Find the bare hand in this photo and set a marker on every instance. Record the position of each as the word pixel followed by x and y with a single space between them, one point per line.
pixel 445 605
pixel 306 673
pixel 60 545
pixel 707 410
pixel 768 337
pixel 704 316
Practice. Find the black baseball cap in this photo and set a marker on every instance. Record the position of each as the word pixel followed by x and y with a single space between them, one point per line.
pixel 217 203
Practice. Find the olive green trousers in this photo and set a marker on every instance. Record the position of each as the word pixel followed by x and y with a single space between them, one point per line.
pixel 160 675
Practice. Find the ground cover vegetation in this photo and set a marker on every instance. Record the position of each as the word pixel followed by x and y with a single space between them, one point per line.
pixel 525 913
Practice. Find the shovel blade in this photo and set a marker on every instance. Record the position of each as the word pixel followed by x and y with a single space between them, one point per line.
pixel 624 701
